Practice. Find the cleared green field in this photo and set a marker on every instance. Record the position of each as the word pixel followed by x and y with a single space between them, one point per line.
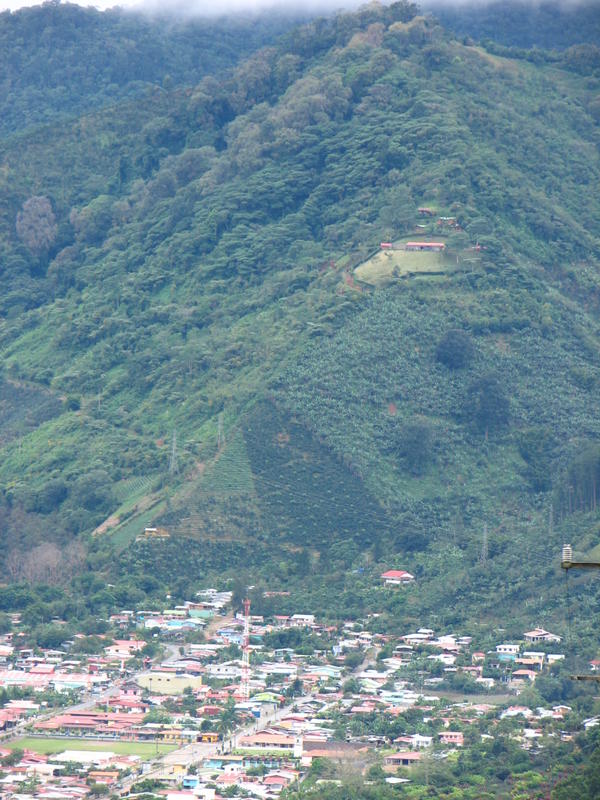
pixel 387 266
pixel 123 534
pixel 58 745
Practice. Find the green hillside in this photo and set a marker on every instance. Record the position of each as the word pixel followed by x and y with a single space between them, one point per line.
pixel 183 330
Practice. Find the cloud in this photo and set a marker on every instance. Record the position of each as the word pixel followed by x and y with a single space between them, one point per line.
pixel 191 8
pixel 569 4
pixel 223 7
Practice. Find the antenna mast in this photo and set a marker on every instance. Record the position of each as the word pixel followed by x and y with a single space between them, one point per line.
pixel 245 684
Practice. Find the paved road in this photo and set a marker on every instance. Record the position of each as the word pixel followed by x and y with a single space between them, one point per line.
pixel 193 753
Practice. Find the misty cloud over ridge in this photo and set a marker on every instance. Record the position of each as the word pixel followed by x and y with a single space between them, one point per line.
pixel 223 7
pixel 211 8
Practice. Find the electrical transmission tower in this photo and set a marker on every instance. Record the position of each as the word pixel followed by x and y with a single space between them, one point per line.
pixel 173 468
pixel 220 432
pixel 484 545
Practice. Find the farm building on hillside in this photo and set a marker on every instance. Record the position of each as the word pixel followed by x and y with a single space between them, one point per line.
pixel 397 577
pixel 429 247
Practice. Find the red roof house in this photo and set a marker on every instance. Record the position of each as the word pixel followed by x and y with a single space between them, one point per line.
pixel 396 577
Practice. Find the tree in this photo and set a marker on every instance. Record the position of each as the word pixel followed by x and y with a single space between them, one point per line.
pixel 36 225
pixel 228 718
pixel 583 784
pixel 415 445
pixel 98 789
pixel 536 446
pixel 455 349
pixel 487 405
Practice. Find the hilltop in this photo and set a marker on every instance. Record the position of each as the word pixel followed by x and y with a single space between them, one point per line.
pixel 187 343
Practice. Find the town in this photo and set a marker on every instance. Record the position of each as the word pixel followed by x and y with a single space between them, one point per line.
pixel 188 702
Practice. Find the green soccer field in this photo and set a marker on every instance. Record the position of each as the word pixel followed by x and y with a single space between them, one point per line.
pixel 59 744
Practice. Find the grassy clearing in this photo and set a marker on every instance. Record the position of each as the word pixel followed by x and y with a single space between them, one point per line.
pixel 389 265
pixel 59 745
pixel 460 697
pixel 123 534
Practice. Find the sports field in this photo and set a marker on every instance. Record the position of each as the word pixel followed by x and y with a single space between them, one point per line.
pixel 48 746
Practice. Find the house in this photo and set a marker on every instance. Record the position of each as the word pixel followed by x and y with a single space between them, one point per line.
pixel 269 741
pixel 428 247
pixel 524 675
pixel 303 620
pixel 416 741
pixel 403 758
pixel 540 635
pixel 507 651
pixel 155 533
pixel 515 711
pixel 107 777
pixel 386 245
pixel 455 738
pixel 397 577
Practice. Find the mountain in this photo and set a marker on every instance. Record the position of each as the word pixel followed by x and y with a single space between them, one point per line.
pixel 201 333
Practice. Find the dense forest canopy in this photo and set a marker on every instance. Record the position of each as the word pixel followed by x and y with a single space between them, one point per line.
pixel 547 25
pixel 61 59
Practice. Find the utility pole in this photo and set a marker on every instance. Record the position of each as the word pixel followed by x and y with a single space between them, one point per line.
pixel 567 564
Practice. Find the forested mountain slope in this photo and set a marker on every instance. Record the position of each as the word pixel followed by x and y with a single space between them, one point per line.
pixel 548 25
pixel 186 342
pixel 59 58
